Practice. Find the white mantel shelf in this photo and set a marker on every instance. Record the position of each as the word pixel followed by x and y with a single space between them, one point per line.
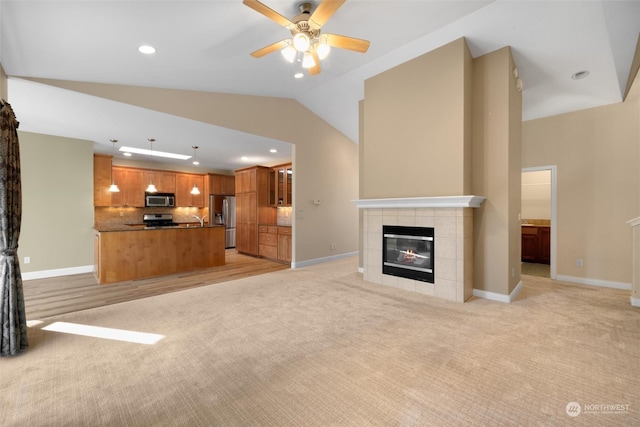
pixel 422 202
pixel 634 222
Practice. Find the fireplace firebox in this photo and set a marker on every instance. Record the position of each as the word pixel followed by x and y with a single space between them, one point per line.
pixel 408 252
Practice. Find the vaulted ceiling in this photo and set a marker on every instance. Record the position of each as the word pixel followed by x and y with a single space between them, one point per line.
pixel 205 46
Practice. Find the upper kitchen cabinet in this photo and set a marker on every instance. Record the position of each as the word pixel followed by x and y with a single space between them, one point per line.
pixel 280 183
pixel 224 185
pixel 246 180
pixel 184 185
pixel 132 186
pixel 101 180
pixel 164 181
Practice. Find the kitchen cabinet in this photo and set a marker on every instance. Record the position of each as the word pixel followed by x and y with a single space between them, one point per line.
pixel 184 185
pixel 131 184
pixel 536 244
pixel 138 253
pixel 164 181
pixel 284 244
pixel 224 185
pixel 280 183
pixel 252 207
pixel 101 180
pixel 275 242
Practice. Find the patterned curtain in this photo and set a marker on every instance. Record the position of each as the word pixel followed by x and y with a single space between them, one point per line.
pixel 14 320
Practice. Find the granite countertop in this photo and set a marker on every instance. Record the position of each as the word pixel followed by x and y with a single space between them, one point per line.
pixel 141 227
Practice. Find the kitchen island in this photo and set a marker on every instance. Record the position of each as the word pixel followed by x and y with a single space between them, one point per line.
pixel 125 252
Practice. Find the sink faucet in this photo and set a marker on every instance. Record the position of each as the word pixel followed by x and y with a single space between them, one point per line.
pixel 200 219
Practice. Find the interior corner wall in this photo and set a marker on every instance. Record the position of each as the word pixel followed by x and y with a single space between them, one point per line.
pixel 415 129
pixel 497 112
pixel 597 153
pixel 57 202
pixel 360 183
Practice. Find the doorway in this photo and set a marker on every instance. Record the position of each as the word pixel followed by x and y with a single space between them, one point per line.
pixel 539 219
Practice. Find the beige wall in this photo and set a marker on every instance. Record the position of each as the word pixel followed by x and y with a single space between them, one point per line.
pixel 597 153
pixel 536 195
pixel 497 109
pixel 57 202
pixel 325 161
pixel 417 127
pixel 3 84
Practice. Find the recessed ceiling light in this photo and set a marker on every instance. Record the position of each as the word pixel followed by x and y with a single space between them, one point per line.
pixel 298 75
pixel 146 49
pixel 244 158
pixel 155 153
pixel 127 154
pixel 580 75
pixel 273 150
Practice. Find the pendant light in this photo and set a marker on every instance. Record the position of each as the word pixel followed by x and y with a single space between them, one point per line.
pixel 113 188
pixel 151 188
pixel 195 189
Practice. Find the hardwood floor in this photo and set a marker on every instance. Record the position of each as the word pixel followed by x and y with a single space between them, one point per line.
pixel 65 294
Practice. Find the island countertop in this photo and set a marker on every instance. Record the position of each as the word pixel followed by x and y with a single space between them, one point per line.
pixel 141 227
pixel 125 252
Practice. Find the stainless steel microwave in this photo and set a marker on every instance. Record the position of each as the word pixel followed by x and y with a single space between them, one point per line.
pixel 159 200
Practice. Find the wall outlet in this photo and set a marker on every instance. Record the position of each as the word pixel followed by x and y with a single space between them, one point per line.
pixel 332 246
pixel 27 259
pixel 121 214
pixel 579 262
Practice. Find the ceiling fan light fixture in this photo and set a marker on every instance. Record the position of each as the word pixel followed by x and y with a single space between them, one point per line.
pixel 301 42
pixel 289 53
pixel 308 61
pixel 323 48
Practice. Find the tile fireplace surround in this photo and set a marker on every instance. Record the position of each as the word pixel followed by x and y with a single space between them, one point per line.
pixel 452 220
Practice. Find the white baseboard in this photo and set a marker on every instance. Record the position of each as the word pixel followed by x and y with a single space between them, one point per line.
pixel 494 296
pixel 44 274
pixel 595 282
pixel 635 302
pixel 322 260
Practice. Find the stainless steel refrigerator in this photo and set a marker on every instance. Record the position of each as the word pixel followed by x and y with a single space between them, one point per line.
pixel 222 211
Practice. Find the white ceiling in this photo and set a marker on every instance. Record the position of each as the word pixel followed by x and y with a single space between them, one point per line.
pixel 205 46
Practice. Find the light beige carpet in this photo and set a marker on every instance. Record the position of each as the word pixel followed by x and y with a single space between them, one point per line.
pixel 319 347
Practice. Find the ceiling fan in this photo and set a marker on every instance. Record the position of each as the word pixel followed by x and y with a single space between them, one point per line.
pixel 307 44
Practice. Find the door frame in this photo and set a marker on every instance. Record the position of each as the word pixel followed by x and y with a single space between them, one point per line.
pixel 554 213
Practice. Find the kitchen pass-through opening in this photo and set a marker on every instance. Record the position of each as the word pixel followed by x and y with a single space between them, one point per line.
pixel 408 252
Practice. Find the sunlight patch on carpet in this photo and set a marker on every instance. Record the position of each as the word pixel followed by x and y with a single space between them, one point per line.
pixel 106 333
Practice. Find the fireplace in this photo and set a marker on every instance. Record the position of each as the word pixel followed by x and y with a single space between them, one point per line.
pixel 408 252
pixel 449 220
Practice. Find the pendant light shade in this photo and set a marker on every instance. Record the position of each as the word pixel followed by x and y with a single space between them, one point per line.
pixel 151 188
pixel 195 189
pixel 113 188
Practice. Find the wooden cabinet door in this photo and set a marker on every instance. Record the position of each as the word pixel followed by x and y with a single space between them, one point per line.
pixel 246 226
pixel 284 246
pixel 229 185
pixel 529 244
pixel 544 245
pixel 165 182
pixel 184 185
pixel 101 180
pixel 245 180
pixel 280 182
pixel 131 184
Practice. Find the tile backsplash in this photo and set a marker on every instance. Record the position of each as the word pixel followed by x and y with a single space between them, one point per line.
pixel 284 215
pixel 113 216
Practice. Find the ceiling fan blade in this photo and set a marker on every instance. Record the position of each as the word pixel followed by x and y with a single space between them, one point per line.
pixel 324 11
pixel 271 48
pixel 350 43
pixel 316 68
pixel 269 13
